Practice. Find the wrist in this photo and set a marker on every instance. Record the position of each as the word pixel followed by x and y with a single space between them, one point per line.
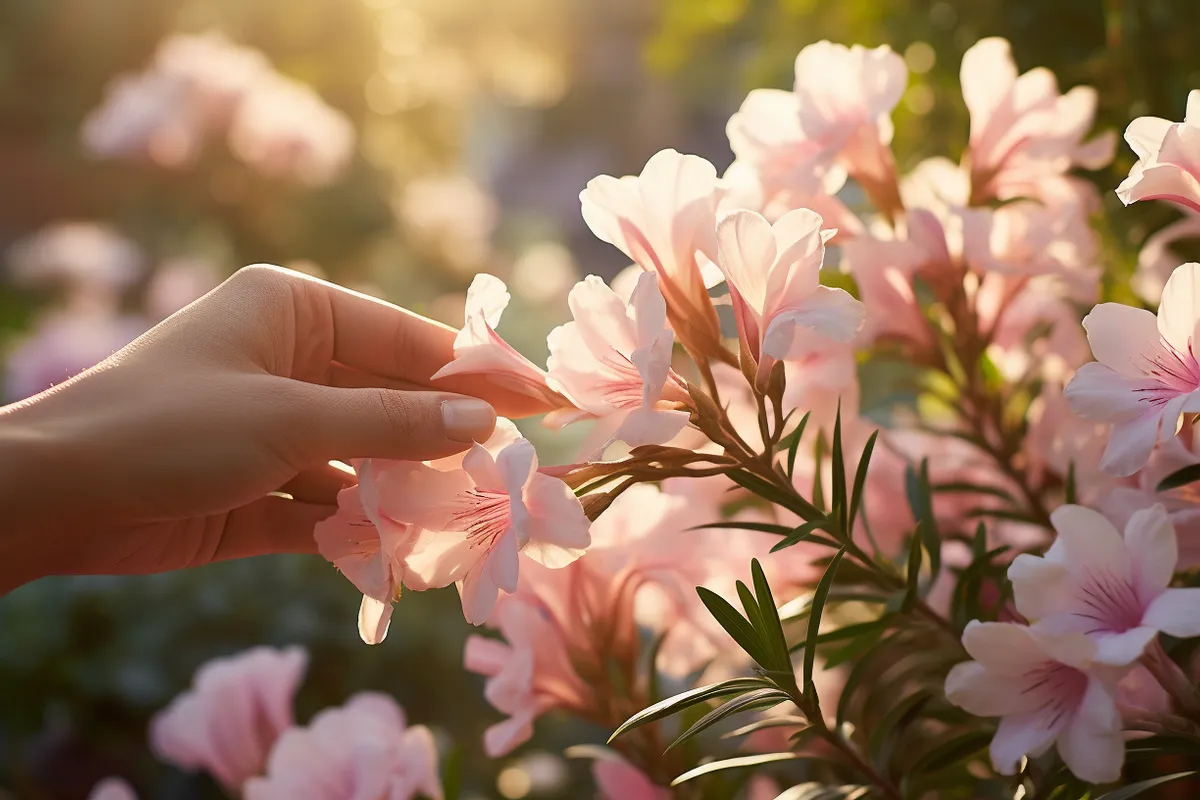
pixel 26 501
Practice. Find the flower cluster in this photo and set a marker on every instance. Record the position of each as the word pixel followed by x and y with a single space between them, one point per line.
pixel 201 86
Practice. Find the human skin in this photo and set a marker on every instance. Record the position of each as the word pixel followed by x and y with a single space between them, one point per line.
pixel 210 437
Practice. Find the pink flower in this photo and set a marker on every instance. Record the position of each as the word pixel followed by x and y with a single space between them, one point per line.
pixel 479 350
pixel 360 750
pixel 1045 691
pixel 1112 588
pixel 112 789
pixel 477 519
pixel 1156 259
pixel 1024 133
pixel 664 219
pixel 614 362
pixel 1146 375
pixel 230 718
pixel 774 280
pixel 369 547
pixel 81 255
pixel 1168 166
pixel 617 779
pixel 1028 239
pixel 63 344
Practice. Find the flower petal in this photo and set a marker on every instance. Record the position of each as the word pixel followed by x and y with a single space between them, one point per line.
pixel 1092 746
pixel 833 313
pixel 1123 649
pixel 1123 338
pixel 1150 539
pixel 1089 541
pixel 1175 612
pixel 976 690
pixel 1019 736
pixel 1179 309
pixel 746 252
pixel 1130 444
pixel 1006 649
pixel 558 529
pixel 1040 587
pixel 374 618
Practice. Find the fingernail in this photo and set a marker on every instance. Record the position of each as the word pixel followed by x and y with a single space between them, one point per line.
pixel 468 419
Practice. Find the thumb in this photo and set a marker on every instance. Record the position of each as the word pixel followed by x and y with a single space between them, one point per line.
pixel 389 423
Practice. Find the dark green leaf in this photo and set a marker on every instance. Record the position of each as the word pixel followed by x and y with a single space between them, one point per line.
pixel 757 700
pixel 762 527
pixel 452 774
pixel 839 501
pixel 860 479
pixel 802 533
pixel 1070 484
pixel 675 704
pixel 818 485
pixel 768 491
pixel 814 622
pixel 962 487
pixel 893 723
pixel 951 752
pixel 858 673
pixel 912 583
pixel 791 443
pixel 855 630
pixel 772 625
pixel 929 530
pixel 768 722
pixel 735 763
pixel 734 624
pixel 1180 477
pixel 1135 789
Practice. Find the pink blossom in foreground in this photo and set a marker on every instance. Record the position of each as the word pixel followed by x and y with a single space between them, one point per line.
pixel 360 750
pixel 368 547
pixel 476 520
pixel 1024 133
pixel 1168 166
pixel 1111 588
pixel 1045 691
pixel 112 789
pixel 664 219
pixel 617 779
pixel 479 350
pixel 614 362
pixel 1146 375
pixel 774 280
pixel 227 723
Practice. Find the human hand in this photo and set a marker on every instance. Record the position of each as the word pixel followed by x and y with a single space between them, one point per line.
pixel 165 455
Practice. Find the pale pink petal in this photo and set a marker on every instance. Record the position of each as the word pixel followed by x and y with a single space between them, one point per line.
pixel 746 251
pixel 600 314
pixel 516 464
pixel 833 313
pixel 480 465
pixel 1100 394
pixel 485 656
pixel 1089 542
pixel 479 589
pixel 1130 445
pixel 1122 649
pixel 1040 586
pixel 649 309
pixel 1175 612
pixel 112 789
pixel 1179 310
pixel 421 495
pixel 1123 338
pixel 1161 182
pixel 504 737
pixel 976 690
pixel 799 245
pixel 1092 746
pixel 440 558
pixel 1019 736
pixel 374 618
pixel 558 528
pixel 1005 649
pixel 651 426
pixel 1145 135
pixel 1150 539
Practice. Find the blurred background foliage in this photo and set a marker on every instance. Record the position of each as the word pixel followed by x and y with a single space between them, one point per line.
pixel 477 123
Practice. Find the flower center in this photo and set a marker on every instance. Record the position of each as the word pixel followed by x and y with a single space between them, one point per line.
pixel 1177 373
pixel 484 514
pixel 1111 602
pixel 622 386
pixel 1060 689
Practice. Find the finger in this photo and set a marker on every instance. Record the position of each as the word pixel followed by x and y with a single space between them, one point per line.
pixel 342 377
pixel 506 402
pixel 271 525
pixel 319 485
pixel 383 423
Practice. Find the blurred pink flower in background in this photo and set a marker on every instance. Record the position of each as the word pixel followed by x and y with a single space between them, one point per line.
pixel 1168 166
pixel 617 779
pixel 178 282
pixel 79 256
pixel 1156 260
pixel 227 723
pixel 361 750
pixel 112 789
pixel 201 86
pixel 63 344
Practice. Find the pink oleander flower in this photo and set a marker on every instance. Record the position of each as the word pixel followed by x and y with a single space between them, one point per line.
pixel 1028 239
pixel 229 720
pixel 477 518
pixel 479 350
pixel 1168 166
pixel 1146 375
pixel 1035 330
pixel 362 750
pixel 1046 691
pixel 82 255
pixel 664 220
pixel 614 362
pixel 369 547
pixel 112 789
pixel 1057 441
pixel 774 280
pixel 1157 260
pixel 1111 588
pixel 1024 134
pixel 617 779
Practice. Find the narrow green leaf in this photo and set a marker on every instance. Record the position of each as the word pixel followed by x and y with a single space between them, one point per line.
pixel 734 624
pixel 855 630
pixel 912 583
pixel 858 673
pixel 893 723
pixel 1134 789
pixel 757 700
pixel 793 502
pixel 818 486
pixel 839 500
pixel 951 752
pixel 792 445
pixel 675 704
pixel 772 625
pixel 963 487
pixel 767 722
pixel 735 763
pixel 860 479
pixel 452 774
pixel 1070 485
pixel 929 530
pixel 762 527
pixel 853 649
pixel 820 595
pixel 801 533
pixel 1180 477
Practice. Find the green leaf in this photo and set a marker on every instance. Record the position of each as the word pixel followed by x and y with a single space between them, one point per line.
pixel 735 763
pixel 791 443
pixel 768 722
pixel 772 626
pixel 860 479
pixel 762 527
pixel 734 624
pixel 1134 789
pixel 896 719
pixel 818 791
pixel 855 630
pixel 675 704
pixel 858 673
pixel 757 700
pixel 768 491
pixel 818 486
pixel 1180 477
pixel 1070 484
pixel 929 530
pixel 452 774
pixel 951 752
pixel 803 533
pixel 814 621
pixel 963 487
pixel 912 583
pixel 840 502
